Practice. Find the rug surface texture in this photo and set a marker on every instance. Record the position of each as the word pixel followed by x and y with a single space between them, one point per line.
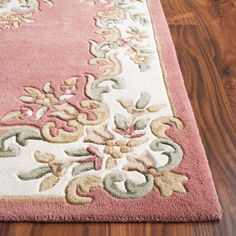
pixel 95 122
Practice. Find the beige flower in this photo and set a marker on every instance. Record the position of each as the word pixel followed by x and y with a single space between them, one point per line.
pixel 136 34
pixel 141 58
pixel 118 147
pixel 57 168
pixel 45 99
pixel 170 182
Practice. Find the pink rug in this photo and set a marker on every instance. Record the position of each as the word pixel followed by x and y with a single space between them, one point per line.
pixel 95 121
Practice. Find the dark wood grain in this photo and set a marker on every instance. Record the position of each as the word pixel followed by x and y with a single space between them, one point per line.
pixel 204 35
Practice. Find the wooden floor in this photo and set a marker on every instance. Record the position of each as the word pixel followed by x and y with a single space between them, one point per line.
pixel 204 34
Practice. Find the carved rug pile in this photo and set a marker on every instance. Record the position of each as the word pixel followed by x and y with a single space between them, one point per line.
pixel 95 121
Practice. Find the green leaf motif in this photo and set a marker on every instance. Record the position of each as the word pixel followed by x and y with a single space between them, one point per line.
pixel 143 101
pixel 22 135
pixel 139 18
pixel 121 122
pixel 133 190
pixel 141 124
pixel 174 157
pixel 35 173
pixel 144 67
pixel 144 50
pixel 80 152
pixel 94 88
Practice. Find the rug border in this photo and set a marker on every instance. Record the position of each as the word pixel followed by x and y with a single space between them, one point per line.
pixel 161 45
pixel 183 95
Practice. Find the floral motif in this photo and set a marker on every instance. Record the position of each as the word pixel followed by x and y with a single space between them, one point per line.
pixel 136 34
pixel 53 168
pixel 142 59
pixel 56 169
pixel 13 13
pixel 44 100
pixel 108 21
pixel 132 133
pixel 133 126
pixel 45 104
pixel 170 182
pixel 117 148
pixel 91 158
